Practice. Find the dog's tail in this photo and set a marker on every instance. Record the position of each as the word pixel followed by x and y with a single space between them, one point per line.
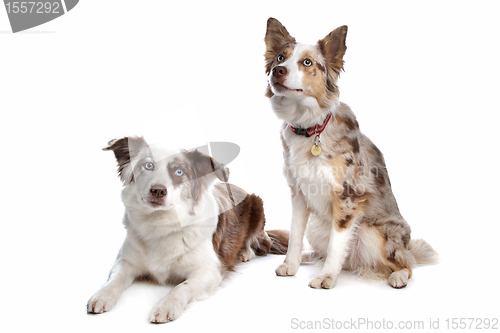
pixel 423 252
pixel 264 242
pixel 279 241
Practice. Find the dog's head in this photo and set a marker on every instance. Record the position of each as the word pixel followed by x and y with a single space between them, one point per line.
pixel 157 178
pixel 304 72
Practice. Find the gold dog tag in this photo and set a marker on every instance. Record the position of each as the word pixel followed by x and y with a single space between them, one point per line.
pixel 316 150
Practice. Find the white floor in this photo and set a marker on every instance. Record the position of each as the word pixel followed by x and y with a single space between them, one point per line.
pixel 254 298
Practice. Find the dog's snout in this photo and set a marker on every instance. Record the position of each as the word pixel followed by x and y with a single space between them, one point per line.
pixel 158 191
pixel 279 71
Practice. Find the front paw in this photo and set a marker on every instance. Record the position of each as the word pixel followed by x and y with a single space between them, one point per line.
pixel 101 301
pixel 323 281
pixel 286 269
pixel 165 311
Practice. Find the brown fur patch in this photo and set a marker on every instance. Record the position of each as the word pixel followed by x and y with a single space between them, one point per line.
pixel 347 205
pixel 277 37
pixel 239 225
pixel 286 51
pixel 313 80
pixel 352 193
pixel 342 218
pixel 350 123
pixel 379 157
pixel 355 145
pixel 320 67
pixel 339 167
pixel 388 265
pixel 379 176
pixel 344 222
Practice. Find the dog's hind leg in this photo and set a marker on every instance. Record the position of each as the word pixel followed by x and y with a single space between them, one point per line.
pixel 399 279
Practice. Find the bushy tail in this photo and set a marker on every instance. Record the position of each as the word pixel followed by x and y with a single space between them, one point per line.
pixel 423 252
pixel 279 241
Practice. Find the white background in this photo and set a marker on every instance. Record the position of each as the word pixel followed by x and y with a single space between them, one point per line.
pixel 422 78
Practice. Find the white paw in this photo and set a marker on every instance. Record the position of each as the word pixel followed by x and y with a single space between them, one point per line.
pixel 398 279
pixel 246 255
pixel 101 301
pixel 286 269
pixel 323 281
pixel 165 311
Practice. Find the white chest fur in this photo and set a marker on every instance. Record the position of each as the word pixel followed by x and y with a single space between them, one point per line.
pixel 158 247
pixel 311 175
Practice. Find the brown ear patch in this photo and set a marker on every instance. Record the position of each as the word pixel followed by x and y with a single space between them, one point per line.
pixel 203 165
pixel 124 149
pixel 277 37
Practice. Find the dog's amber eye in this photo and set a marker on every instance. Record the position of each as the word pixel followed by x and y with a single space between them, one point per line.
pixel 281 58
pixel 178 172
pixel 149 166
pixel 307 63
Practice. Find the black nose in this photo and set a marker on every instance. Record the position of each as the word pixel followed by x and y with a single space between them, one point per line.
pixel 279 71
pixel 158 191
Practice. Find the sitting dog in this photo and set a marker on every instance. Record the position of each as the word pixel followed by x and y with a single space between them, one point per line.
pixel 339 184
pixel 181 226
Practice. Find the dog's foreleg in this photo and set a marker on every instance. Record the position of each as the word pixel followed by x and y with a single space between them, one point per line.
pixel 300 216
pixel 345 214
pixel 122 275
pixel 336 254
pixel 200 282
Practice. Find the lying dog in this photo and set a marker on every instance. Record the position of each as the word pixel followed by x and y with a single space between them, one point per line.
pixel 338 179
pixel 181 226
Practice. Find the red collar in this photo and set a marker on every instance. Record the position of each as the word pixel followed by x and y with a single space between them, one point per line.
pixel 315 130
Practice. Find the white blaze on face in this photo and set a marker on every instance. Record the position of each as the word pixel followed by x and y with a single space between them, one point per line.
pixel 295 76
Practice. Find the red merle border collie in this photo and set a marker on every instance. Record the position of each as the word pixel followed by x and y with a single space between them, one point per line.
pixel 341 194
pixel 182 226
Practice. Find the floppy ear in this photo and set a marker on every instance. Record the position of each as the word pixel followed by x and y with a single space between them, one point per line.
pixel 276 37
pixel 204 165
pixel 126 149
pixel 333 48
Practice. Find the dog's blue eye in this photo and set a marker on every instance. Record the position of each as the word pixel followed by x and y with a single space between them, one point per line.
pixel 149 166
pixel 178 172
pixel 281 58
pixel 307 63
